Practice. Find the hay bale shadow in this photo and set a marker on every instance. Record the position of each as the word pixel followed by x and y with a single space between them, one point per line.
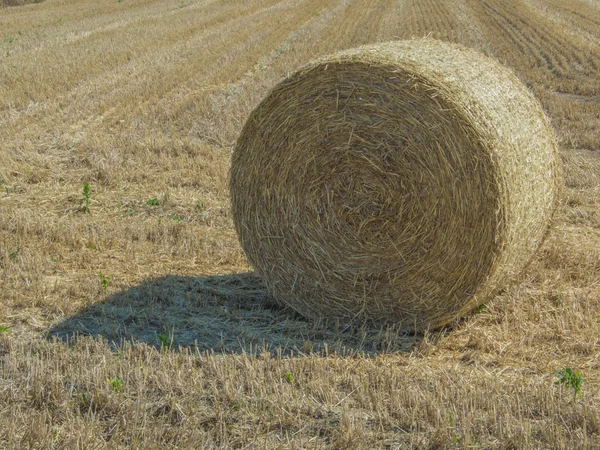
pixel 224 314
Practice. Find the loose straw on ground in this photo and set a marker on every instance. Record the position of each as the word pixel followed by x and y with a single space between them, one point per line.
pixel 404 182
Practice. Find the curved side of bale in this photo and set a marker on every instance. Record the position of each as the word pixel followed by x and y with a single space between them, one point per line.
pixel 401 182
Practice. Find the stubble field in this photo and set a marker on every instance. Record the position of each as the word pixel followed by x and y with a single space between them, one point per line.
pixel 129 317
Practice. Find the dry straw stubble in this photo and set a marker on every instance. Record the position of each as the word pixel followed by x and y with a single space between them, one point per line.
pixel 403 182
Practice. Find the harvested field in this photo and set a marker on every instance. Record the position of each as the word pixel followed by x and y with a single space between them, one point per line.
pixel 128 314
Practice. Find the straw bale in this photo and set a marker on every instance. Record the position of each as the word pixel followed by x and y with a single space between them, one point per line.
pixel 403 182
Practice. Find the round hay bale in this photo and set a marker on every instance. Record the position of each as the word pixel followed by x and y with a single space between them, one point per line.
pixel 399 182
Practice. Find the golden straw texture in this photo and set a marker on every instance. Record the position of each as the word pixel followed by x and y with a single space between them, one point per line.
pixel 404 182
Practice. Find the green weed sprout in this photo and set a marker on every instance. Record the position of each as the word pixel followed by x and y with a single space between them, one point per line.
pixel 86 201
pixel 571 379
pixel 116 383
pixel 289 377
pixel 103 281
pixel 167 342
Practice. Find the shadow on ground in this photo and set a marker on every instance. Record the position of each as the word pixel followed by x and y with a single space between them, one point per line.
pixel 225 314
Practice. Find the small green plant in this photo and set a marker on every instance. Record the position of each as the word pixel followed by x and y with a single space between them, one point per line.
pixel 571 379
pixel 481 309
pixel 86 201
pixel 3 186
pixel 153 201
pixel 103 281
pixel 452 427
pixel 4 328
pixel 289 376
pixel 316 13
pixel 177 218
pixel 167 342
pixel 92 246
pixel 200 209
pixel 84 400
pixel 14 254
pixel 116 383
